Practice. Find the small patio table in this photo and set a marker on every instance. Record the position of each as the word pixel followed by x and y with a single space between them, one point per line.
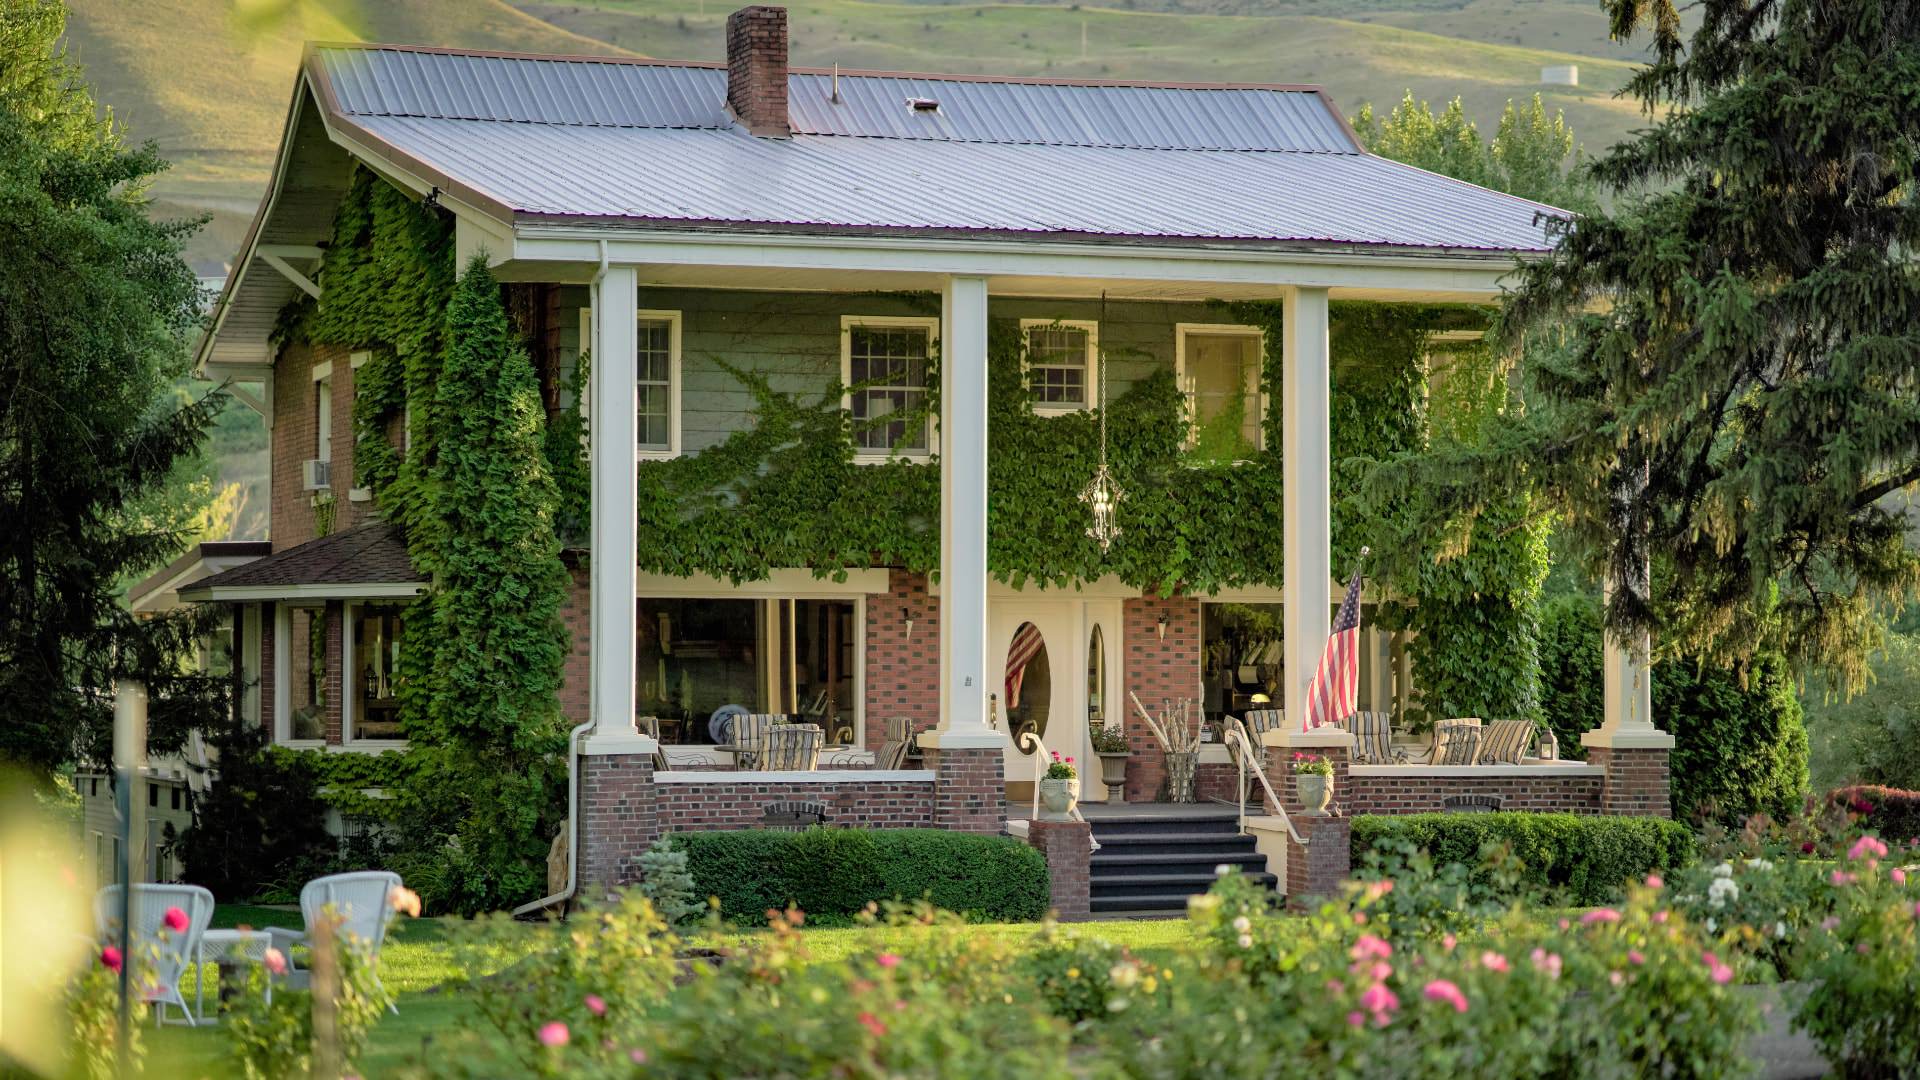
pixel 217 946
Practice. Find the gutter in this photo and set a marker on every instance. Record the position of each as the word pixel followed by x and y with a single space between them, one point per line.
pixel 573 737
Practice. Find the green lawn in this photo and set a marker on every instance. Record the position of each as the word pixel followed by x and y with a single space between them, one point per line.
pixel 418 964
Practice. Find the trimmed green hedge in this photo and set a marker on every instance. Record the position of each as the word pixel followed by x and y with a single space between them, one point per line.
pixel 1891 812
pixel 835 873
pixel 1586 859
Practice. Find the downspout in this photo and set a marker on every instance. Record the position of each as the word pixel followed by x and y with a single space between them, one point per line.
pixel 573 737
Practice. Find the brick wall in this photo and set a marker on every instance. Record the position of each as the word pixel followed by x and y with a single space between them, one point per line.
pixel 1425 794
pixel 1286 784
pixel 1156 668
pixel 1068 849
pixel 336 669
pixel 1638 780
pixel 903 672
pixel 576 615
pixel 1314 872
pixel 291 516
pixel 757 69
pixel 1221 780
pixel 705 806
pixel 619 815
pixel 268 620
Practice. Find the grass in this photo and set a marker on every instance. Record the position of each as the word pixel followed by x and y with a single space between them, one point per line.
pixel 421 965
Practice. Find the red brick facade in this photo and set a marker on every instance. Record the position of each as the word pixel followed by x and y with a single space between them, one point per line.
pixel 619 816
pixel 707 806
pixel 576 679
pixel 1286 784
pixel 264 612
pixel 1639 780
pixel 336 668
pixel 970 793
pixel 1157 668
pixel 1427 794
pixel 1314 872
pixel 903 668
pixel 1068 848
pixel 293 517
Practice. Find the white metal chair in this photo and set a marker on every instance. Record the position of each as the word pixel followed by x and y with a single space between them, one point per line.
pixel 170 952
pixel 362 901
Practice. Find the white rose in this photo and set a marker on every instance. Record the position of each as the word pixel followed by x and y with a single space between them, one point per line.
pixel 1242 924
pixel 1779 929
pixel 1724 870
pixel 1711 925
pixel 1246 941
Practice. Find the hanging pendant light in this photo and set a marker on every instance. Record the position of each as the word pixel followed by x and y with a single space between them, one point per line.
pixel 1102 494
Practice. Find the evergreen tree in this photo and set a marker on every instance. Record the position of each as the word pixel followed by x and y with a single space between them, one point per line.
pixel 96 307
pixel 492 735
pixel 1735 402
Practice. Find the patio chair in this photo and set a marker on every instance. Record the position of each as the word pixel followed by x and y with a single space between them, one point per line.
pixel 650 727
pixel 362 901
pixel 792 748
pixel 1505 742
pixel 1456 741
pixel 749 733
pixel 893 752
pixel 1258 723
pixel 170 953
pixel 1373 739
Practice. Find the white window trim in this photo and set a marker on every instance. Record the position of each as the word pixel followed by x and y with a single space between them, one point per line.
pixel 323 416
pixel 1091 388
pixel 349 682
pixel 770 635
pixel 356 361
pixel 1180 333
pixel 283 679
pixel 248 662
pixel 674 443
pixel 932 326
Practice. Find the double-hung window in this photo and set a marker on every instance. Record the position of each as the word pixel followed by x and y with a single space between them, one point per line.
pixel 1062 364
pixel 887 366
pixel 657 384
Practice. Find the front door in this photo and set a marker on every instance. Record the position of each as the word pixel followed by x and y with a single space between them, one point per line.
pixel 1056 671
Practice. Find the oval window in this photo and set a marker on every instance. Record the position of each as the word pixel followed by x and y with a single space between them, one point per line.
pixel 1096 677
pixel 1029 683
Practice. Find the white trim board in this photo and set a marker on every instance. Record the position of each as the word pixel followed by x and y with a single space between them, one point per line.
pixel 1476 772
pixel 391 591
pixel 818 776
pixel 790 583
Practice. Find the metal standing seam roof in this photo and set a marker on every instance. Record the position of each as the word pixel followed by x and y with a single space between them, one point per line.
pixel 570 138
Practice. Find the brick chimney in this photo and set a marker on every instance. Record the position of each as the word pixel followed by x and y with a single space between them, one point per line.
pixel 757 70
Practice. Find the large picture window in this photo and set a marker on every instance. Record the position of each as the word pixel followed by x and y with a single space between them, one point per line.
pixel 1242 660
pixel 307 670
pixel 1219 370
pixel 373 711
pixel 792 656
pixel 887 366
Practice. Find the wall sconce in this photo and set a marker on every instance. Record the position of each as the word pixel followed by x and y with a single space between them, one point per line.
pixel 1161 626
pixel 911 615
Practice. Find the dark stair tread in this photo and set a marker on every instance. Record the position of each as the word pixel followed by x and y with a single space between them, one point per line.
pixel 1172 837
pixel 1201 879
pixel 1124 857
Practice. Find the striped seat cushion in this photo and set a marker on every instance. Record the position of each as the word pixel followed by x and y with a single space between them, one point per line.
pixel 1456 742
pixel 1505 742
pixel 1372 738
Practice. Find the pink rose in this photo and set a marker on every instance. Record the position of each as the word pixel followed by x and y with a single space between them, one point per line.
pixel 1721 973
pixel 1493 961
pixel 175 920
pixel 1379 1001
pixel 1599 915
pixel 1841 878
pixel 110 958
pixel 887 960
pixel 596 1004
pixel 1616 978
pixel 1370 947
pixel 276 961
pixel 554 1033
pixel 637 1056
pixel 1444 991
pixel 1867 847
pixel 1899 876
pixel 873 1024
pixel 1448 941
pixel 1635 956
pixel 1654 881
pixel 1356 1018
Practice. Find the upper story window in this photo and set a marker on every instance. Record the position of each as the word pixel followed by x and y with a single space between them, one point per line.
pixel 1062 364
pixel 657 384
pixel 323 412
pixel 1219 370
pixel 887 365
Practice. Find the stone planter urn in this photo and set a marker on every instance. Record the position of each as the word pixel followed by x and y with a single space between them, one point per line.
pixel 1315 791
pixel 1113 773
pixel 1058 798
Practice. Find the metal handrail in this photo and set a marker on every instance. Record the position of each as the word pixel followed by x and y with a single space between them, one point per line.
pixel 1041 759
pixel 1238 734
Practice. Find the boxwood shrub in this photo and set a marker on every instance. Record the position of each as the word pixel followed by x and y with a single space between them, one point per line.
pixel 1580 859
pixel 832 874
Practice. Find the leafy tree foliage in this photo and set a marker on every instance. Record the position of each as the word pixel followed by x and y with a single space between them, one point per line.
pixel 1870 737
pixel 491 736
pixel 1530 155
pixel 95 309
pixel 1734 400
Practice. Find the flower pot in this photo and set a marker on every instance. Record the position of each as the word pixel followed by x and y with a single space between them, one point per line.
pixel 1315 791
pixel 1057 799
pixel 1113 773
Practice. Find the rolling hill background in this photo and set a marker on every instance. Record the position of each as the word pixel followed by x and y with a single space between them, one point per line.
pixel 210 80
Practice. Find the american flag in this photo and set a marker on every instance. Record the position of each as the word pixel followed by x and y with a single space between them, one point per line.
pixel 1332 695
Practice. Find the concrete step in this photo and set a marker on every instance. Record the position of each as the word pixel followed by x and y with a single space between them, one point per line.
pixel 1195 845
pixel 1214 825
pixel 1146 885
pixel 1123 859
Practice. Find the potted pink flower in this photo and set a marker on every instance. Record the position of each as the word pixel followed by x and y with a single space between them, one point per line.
pixel 1313 782
pixel 1059 789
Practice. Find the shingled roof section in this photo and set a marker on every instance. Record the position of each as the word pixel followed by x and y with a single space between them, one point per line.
pixel 372 554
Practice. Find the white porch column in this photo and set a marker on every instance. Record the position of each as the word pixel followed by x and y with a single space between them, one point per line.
pixel 1627 697
pixel 612 582
pixel 1306 469
pixel 964 679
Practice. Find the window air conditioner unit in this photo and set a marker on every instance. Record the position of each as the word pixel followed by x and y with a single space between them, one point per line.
pixel 314 474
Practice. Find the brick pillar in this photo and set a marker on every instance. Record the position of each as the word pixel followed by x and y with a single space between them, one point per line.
pixel 1315 872
pixel 903 665
pixel 1158 666
pixel 1334 744
pixel 269 615
pixel 969 790
pixel 619 816
pixel 1638 780
pixel 336 669
pixel 1068 848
